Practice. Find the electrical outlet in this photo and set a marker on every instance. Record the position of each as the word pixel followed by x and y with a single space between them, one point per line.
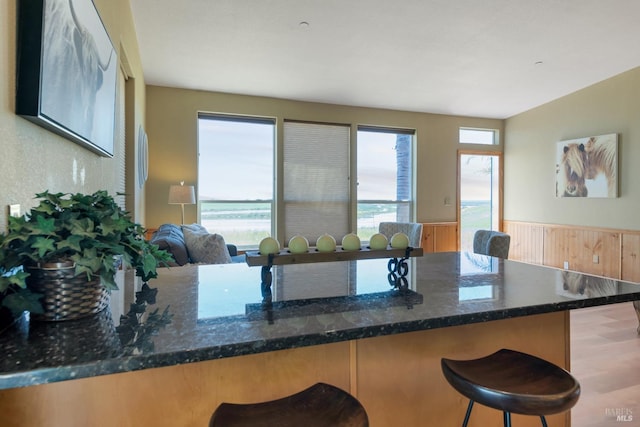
pixel 596 259
pixel 14 210
pixel 566 265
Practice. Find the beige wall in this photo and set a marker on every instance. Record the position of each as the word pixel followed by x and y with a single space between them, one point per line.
pixel 611 106
pixel 34 159
pixel 172 115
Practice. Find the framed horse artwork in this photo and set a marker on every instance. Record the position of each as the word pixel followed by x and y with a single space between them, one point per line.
pixel 587 167
pixel 67 71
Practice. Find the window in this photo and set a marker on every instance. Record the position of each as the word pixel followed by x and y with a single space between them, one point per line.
pixel 478 136
pixel 385 178
pixel 316 180
pixel 236 177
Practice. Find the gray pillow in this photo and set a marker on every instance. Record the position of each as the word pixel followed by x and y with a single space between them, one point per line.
pixel 196 228
pixel 206 248
pixel 170 238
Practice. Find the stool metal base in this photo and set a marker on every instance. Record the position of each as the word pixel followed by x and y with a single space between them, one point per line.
pixel 506 416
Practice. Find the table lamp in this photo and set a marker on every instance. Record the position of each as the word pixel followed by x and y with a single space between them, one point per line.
pixel 182 195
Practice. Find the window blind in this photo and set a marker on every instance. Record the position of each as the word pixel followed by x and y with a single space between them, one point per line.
pixel 119 152
pixel 316 180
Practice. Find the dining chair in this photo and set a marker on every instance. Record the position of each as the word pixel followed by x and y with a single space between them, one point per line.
pixel 493 243
pixel 413 230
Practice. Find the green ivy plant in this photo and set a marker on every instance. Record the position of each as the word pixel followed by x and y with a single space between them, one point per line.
pixel 90 230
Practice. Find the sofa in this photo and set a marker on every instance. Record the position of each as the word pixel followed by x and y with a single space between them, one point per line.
pixel 193 244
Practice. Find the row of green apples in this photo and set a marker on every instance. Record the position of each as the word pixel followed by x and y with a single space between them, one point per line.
pixel 327 243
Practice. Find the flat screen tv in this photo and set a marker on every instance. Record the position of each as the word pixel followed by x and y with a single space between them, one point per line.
pixel 67 71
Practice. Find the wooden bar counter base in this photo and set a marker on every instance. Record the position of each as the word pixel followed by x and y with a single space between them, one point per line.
pixel 336 322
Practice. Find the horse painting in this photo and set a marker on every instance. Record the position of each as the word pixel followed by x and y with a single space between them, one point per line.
pixel 602 158
pixel 573 164
pixel 587 167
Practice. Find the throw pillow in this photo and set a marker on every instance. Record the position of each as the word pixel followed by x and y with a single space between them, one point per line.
pixel 206 248
pixel 196 228
pixel 170 238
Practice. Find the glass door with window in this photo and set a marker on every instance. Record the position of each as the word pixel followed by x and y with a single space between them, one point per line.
pixel 479 194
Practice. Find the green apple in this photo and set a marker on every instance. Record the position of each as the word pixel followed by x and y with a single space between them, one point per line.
pixel 378 241
pixel 399 241
pixel 351 242
pixel 326 243
pixel 298 244
pixel 269 245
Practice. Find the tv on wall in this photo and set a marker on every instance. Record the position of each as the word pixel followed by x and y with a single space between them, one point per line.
pixel 67 71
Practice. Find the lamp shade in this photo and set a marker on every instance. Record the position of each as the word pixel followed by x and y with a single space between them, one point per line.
pixel 182 194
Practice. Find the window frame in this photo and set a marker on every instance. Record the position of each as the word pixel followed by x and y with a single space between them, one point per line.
pixel 410 203
pixel 277 202
pixel 240 118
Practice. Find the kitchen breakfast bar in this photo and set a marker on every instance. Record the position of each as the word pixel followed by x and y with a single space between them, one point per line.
pixel 168 353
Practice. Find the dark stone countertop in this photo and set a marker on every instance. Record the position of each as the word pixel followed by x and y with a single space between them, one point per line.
pixel 196 313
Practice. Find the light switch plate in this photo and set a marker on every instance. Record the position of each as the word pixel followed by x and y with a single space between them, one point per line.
pixel 14 210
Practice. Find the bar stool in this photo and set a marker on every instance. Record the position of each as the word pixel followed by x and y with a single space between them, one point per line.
pixel 321 405
pixel 513 382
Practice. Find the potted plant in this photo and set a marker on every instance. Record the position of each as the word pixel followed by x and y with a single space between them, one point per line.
pixel 73 243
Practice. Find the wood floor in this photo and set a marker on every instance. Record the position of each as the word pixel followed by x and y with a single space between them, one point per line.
pixel 605 358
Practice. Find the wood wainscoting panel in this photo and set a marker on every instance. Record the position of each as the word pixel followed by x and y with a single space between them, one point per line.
pixel 596 252
pixel 440 237
pixel 630 265
pixel 527 241
pixel 428 238
pixel 584 249
pixel 557 247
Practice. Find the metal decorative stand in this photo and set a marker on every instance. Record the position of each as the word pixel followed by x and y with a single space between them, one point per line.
pixel 398 270
pixel 397 266
pixel 266 277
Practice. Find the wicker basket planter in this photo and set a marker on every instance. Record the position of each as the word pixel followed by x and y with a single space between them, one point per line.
pixel 91 230
pixel 65 296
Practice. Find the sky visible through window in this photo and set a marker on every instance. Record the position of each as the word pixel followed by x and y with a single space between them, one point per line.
pixel 377 167
pixel 236 160
pixel 477 136
pixel 243 152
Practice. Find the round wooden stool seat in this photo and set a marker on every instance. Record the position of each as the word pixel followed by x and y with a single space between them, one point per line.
pixel 513 382
pixel 321 405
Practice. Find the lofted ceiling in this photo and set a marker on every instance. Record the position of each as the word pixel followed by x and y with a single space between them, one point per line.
pixel 482 58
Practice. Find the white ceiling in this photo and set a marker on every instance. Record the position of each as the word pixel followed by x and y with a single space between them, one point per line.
pixel 463 57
